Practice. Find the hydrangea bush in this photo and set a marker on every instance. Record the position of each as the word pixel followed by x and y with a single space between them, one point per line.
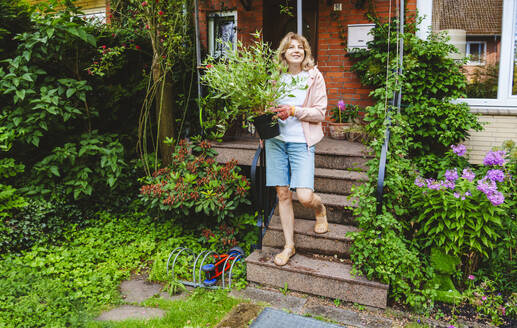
pixel 463 212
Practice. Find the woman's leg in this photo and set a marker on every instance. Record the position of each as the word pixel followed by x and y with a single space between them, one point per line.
pixel 285 209
pixel 309 199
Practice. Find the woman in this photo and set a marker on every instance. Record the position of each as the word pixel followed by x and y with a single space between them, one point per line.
pixel 290 156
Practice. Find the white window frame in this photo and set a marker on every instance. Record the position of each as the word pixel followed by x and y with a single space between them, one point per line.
pixel 211 39
pixel 505 101
pixel 482 56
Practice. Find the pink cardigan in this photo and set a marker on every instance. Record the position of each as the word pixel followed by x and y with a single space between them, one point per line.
pixel 312 112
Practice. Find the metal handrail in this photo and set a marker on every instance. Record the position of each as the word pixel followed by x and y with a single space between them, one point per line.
pixel 396 100
pixel 264 198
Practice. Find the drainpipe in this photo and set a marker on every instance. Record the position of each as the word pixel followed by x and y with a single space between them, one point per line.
pixel 299 17
pixel 198 49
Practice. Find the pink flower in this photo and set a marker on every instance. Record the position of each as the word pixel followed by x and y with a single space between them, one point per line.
pixel 103 47
pixel 144 3
pixel 471 277
pixel 137 47
pixel 160 12
pixel 483 298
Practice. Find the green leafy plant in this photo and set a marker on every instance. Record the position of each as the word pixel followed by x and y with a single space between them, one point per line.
pixel 248 76
pixel 284 289
pixel 345 113
pixel 194 182
pixel 463 214
pixel 430 81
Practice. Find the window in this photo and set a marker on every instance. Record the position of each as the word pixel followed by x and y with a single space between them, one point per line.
pixel 475 52
pixel 490 28
pixel 94 15
pixel 221 26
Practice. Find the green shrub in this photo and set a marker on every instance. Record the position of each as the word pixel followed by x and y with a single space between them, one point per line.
pixel 195 183
pixel 430 81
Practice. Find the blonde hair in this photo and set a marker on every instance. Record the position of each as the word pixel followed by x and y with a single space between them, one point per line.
pixel 308 61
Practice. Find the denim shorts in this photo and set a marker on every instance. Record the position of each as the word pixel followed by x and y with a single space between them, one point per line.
pixel 289 164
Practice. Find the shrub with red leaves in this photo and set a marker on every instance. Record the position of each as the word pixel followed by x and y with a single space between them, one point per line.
pixel 194 181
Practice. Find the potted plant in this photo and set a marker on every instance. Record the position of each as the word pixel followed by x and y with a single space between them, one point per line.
pixel 249 77
pixel 345 122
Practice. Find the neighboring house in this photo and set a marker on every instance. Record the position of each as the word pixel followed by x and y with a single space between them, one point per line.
pixel 476 26
pixel 97 9
pixel 490 30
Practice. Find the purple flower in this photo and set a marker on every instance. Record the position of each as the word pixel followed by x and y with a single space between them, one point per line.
pixel 468 174
pixel 419 182
pixel 451 175
pixel 471 277
pixel 496 198
pixel 495 175
pixel 487 187
pixel 451 326
pixel 459 150
pixel 467 193
pixel 341 105
pixel 434 185
pixel 456 195
pixel 449 184
pixel 495 158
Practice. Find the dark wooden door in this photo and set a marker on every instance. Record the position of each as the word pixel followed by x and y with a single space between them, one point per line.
pixel 277 23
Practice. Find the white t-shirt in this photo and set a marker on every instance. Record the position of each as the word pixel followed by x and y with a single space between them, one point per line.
pixel 291 128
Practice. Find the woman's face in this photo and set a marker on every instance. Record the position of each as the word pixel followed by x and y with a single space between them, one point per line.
pixel 295 54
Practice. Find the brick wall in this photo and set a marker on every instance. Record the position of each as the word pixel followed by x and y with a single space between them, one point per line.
pixel 247 21
pixel 497 129
pixel 342 84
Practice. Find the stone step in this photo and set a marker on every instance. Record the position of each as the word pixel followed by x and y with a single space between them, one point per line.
pixel 330 154
pixel 334 242
pixel 315 276
pixel 335 204
pixel 336 181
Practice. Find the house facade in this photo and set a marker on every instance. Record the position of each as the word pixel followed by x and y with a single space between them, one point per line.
pixel 483 30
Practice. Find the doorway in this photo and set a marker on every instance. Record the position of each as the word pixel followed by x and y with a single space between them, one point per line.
pixel 279 18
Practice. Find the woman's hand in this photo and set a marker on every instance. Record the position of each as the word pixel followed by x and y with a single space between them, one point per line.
pixel 283 111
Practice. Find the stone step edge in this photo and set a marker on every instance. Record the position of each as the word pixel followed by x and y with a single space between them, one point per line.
pixel 334 200
pixel 275 224
pixel 249 145
pixel 270 264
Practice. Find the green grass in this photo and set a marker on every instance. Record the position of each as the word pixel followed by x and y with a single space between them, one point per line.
pixel 202 309
pixel 70 284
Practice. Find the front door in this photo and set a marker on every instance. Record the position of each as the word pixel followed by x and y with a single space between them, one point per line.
pixel 278 21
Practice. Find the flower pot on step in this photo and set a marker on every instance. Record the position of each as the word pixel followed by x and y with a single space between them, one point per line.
pixel 339 130
pixel 266 126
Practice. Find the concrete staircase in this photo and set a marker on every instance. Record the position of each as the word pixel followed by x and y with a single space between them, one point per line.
pixel 321 265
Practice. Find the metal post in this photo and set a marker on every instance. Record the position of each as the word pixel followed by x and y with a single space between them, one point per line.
pixel 198 48
pixel 299 29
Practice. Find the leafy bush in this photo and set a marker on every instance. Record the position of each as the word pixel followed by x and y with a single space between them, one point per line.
pixel 430 81
pixel 463 213
pixel 194 182
pixel 15 18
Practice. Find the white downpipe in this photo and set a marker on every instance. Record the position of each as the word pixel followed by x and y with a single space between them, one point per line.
pixel 299 17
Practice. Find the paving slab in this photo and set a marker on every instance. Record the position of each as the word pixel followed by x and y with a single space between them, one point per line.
pixel 277 300
pixel 347 317
pixel 138 290
pixel 272 318
pixel 126 312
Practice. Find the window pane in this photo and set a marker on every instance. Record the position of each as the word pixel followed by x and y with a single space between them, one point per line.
pixel 475 29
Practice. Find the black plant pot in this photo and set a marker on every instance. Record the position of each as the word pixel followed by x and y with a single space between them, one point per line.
pixel 266 126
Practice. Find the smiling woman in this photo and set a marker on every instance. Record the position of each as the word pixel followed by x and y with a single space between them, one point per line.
pixel 290 156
